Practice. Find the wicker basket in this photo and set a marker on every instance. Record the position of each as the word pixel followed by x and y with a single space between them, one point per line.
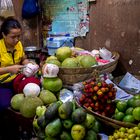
pixel 106 120
pixel 117 80
pixel 70 76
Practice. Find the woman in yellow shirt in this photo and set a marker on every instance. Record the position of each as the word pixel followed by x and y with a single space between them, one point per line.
pixel 12 58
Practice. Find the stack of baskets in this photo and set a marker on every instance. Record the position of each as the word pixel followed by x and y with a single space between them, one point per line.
pixel 70 76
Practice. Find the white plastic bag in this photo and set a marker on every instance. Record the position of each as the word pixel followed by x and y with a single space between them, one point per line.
pixel 6 8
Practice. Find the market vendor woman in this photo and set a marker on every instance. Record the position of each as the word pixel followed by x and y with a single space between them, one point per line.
pixel 12 58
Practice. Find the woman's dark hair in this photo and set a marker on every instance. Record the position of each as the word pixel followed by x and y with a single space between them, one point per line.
pixel 8 24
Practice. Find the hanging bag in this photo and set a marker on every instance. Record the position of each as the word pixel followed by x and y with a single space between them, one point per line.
pixel 30 9
pixel 6 8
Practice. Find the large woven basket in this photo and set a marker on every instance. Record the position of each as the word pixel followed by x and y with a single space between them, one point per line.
pixel 70 76
pixel 106 120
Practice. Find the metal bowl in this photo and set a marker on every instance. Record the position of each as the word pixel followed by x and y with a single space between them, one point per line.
pixel 31 49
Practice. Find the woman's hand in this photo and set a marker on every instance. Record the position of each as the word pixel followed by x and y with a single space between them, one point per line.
pixel 15 68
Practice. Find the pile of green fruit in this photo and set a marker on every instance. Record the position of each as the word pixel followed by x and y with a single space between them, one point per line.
pixel 126 133
pixel 128 111
pixel 65 121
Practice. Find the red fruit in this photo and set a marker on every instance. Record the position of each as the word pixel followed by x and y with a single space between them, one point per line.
pixel 99 92
pixel 91 90
pixel 110 94
pixel 92 105
pixel 103 89
pixel 89 101
pixel 104 84
pixel 110 85
pixel 95 88
pixel 106 89
pixel 86 105
pixel 94 97
pixel 92 83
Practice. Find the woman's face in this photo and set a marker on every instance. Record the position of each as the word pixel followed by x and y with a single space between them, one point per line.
pixel 12 38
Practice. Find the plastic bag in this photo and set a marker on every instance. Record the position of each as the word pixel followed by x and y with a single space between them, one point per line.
pixel 30 8
pixel 6 8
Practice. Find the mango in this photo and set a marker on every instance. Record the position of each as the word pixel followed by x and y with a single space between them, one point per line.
pixel 53 128
pixel 78 132
pixel 65 110
pixel 65 136
pixel 79 115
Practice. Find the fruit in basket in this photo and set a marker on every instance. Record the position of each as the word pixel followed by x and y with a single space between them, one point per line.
pixel 53 128
pixel 65 110
pixel 89 122
pixel 54 61
pixel 91 135
pixel 63 52
pixel 67 123
pixel 78 132
pixel 78 115
pixel 65 136
pixel 40 110
pixel 52 57
pixel 29 105
pixel 16 101
pixel 52 110
pixel 52 84
pixel 121 106
pixel 136 113
pixel 47 97
pixel 129 118
pixel 88 61
pixel 119 116
pixel 70 63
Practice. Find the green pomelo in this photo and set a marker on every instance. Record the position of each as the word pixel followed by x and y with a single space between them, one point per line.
pixel 136 113
pixel 29 105
pixel 129 118
pixel 54 61
pixel 16 101
pixel 52 84
pixel 52 57
pixel 88 61
pixel 70 63
pixel 63 52
pixel 47 97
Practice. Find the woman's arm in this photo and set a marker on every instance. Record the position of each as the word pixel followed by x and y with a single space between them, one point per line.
pixel 11 69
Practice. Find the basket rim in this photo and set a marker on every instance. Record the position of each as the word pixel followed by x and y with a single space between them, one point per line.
pixel 116 58
pixel 106 119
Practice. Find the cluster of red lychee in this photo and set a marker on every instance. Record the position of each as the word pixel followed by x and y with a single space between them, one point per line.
pixel 98 96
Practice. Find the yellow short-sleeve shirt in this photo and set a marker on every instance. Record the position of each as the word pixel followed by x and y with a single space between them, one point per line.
pixel 7 58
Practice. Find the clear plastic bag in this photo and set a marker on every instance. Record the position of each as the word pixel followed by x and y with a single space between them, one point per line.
pixel 6 8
